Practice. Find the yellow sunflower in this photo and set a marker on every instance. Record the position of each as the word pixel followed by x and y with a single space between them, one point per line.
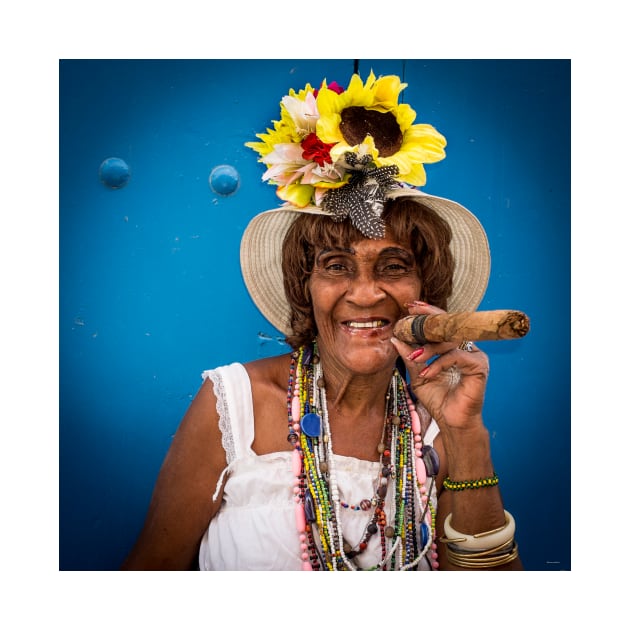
pixel 371 110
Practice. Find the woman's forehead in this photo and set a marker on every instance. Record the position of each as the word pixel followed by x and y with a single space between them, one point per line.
pixel 380 247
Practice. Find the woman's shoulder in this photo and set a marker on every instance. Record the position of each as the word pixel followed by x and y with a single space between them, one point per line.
pixel 269 370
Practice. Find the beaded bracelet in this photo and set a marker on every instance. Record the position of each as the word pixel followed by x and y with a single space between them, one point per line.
pixel 473 484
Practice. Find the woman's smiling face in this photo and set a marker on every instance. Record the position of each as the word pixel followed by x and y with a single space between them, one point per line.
pixel 358 293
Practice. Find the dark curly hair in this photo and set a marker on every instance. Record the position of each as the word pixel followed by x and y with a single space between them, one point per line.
pixel 408 222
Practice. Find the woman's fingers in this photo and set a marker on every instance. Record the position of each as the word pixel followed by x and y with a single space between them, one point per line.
pixel 430 360
pixel 422 308
pixel 468 363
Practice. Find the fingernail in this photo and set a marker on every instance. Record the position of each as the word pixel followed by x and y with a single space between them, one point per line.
pixel 415 354
pixel 424 372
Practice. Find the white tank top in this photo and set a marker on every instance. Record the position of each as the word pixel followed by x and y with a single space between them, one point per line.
pixel 254 529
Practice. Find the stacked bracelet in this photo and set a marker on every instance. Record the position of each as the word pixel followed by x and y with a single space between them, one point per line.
pixel 473 484
pixel 482 541
pixel 479 551
pixel 484 559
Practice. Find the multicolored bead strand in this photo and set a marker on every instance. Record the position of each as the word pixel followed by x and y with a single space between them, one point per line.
pixel 294 406
pixel 410 536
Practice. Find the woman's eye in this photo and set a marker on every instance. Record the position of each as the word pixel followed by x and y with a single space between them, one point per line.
pixel 335 267
pixel 394 268
pixel 335 264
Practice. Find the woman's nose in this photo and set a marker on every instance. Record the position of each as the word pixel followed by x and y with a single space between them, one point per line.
pixel 364 290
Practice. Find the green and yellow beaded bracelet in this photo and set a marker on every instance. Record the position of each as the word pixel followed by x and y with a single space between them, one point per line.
pixel 473 484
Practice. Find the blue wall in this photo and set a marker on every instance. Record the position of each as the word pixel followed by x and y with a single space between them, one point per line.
pixel 150 285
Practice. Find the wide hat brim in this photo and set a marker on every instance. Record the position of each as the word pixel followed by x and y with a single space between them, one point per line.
pixel 261 255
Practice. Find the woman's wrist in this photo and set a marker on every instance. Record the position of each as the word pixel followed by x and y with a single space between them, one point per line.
pixel 468 453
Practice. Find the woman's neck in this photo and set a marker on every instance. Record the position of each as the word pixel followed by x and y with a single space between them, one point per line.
pixel 356 406
pixel 350 390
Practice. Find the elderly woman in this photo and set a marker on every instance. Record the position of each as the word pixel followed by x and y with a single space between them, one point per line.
pixel 355 451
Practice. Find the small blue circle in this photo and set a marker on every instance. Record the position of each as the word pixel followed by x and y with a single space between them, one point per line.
pixel 114 172
pixel 311 424
pixel 224 179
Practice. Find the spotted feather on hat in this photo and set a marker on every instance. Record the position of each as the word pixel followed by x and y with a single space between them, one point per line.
pixel 362 199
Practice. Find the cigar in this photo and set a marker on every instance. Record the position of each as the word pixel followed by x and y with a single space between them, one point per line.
pixel 465 326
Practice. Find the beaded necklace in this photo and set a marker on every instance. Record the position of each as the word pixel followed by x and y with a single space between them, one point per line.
pixel 406 466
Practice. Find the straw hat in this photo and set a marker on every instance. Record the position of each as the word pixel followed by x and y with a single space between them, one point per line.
pixel 261 255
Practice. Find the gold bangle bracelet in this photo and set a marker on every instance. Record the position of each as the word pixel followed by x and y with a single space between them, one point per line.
pixel 462 560
pixel 506 547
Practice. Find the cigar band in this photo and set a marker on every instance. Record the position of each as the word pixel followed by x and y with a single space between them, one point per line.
pixel 417 329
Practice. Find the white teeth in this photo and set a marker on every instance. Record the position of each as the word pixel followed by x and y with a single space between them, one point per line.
pixel 376 324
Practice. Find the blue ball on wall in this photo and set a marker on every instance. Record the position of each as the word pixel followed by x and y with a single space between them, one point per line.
pixel 114 172
pixel 224 179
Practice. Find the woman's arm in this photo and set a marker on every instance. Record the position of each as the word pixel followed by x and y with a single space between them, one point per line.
pixel 181 506
pixel 473 511
pixel 451 384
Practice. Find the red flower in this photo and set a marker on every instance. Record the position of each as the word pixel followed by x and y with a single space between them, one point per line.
pixel 316 150
pixel 334 86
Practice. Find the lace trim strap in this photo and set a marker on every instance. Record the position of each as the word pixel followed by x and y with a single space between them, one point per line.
pixel 233 392
pixel 225 425
pixel 235 408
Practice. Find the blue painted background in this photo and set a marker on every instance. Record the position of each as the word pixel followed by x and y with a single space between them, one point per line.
pixel 150 285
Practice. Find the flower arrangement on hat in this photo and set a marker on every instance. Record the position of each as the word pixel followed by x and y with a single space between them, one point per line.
pixel 331 137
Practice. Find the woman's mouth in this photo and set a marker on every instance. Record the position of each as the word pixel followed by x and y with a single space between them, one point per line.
pixel 377 323
pixel 366 325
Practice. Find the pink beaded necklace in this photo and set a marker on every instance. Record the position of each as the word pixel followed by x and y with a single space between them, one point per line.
pixel 407 470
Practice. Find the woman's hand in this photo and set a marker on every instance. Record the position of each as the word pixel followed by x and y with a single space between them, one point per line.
pixel 453 385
